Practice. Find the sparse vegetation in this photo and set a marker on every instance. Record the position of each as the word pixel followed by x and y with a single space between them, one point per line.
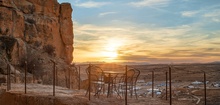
pixel 49 49
pixel 33 64
pixel 7 44
pixel 31 21
pixel 37 43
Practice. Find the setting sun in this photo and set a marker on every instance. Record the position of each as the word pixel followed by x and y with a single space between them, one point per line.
pixel 111 49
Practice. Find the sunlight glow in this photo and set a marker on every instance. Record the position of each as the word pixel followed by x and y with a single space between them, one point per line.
pixel 111 49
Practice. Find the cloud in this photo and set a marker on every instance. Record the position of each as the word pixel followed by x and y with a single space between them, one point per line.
pixel 189 13
pixel 141 43
pixel 214 15
pixel 106 13
pixel 146 3
pixel 92 4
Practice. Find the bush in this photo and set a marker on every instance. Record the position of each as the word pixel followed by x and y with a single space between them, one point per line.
pixel 31 21
pixel 37 43
pixel 49 49
pixel 33 64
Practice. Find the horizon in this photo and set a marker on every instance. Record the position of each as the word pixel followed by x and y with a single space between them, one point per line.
pixel 152 31
pixel 142 63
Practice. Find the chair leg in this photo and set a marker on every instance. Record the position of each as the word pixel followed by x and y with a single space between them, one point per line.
pixel 98 89
pixel 135 90
pixel 131 90
pixel 87 90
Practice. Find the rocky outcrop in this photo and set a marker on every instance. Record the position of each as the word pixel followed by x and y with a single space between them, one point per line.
pixel 36 31
pixel 38 23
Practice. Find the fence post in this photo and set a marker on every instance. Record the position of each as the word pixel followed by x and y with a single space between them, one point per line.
pixel 79 79
pixel 205 86
pixel 15 75
pixel 126 84
pixel 33 73
pixel 152 83
pixel 25 78
pixel 170 85
pixel 54 76
pixel 69 77
pixel 166 85
pixel 89 80
pixel 8 78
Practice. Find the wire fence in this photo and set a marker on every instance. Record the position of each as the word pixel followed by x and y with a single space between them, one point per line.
pixel 195 74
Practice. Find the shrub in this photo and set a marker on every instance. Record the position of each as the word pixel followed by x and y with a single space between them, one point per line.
pixel 49 49
pixel 31 21
pixel 37 43
pixel 33 64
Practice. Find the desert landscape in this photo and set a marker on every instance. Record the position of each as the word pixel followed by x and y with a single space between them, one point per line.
pixel 174 44
pixel 187 83
pixel 187 88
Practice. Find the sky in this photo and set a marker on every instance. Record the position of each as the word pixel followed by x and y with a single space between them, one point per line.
pixel 146 31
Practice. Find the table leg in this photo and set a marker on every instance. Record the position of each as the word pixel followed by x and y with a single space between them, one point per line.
pixel 109 77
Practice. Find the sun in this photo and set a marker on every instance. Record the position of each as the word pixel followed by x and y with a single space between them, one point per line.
pixel 111 55
pixel 111 49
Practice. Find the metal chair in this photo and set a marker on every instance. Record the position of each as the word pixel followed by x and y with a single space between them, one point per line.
pixel 135 78
pixel 132 76
pixel 122 82
pixel 95 75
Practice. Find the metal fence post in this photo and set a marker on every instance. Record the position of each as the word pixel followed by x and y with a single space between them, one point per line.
pixel 126 84
pixel 79 79
pixel 15 75
pixel 8 77
pixel 166 85
pixel 152 83
pixel 54 76
pixel 89 81
pixel 170 85
pixel 33 73
pixel 205 87
pixel 69 77
pixel 25 78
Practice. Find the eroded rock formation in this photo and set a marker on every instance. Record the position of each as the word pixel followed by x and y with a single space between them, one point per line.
pixel 38 23
pixel 36 32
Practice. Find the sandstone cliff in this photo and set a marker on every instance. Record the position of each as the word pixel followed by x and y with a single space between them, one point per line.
pixel 37 23
pixel 36 31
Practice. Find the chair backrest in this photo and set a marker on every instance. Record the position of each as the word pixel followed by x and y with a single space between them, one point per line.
pixel 130 75
pixel 96 73
pixel 136 75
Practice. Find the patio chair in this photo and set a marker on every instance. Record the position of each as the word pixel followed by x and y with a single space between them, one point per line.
pixel 122 82
pixel 135 78
pixel 132 76
pixel 111 81
pixel 96 79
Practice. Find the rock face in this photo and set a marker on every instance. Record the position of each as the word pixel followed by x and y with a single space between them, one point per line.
pixel 32 34
pixel 37 23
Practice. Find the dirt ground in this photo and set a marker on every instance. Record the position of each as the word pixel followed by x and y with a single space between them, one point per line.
pixel 187 89
pixel 187 82
pixel 42 95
